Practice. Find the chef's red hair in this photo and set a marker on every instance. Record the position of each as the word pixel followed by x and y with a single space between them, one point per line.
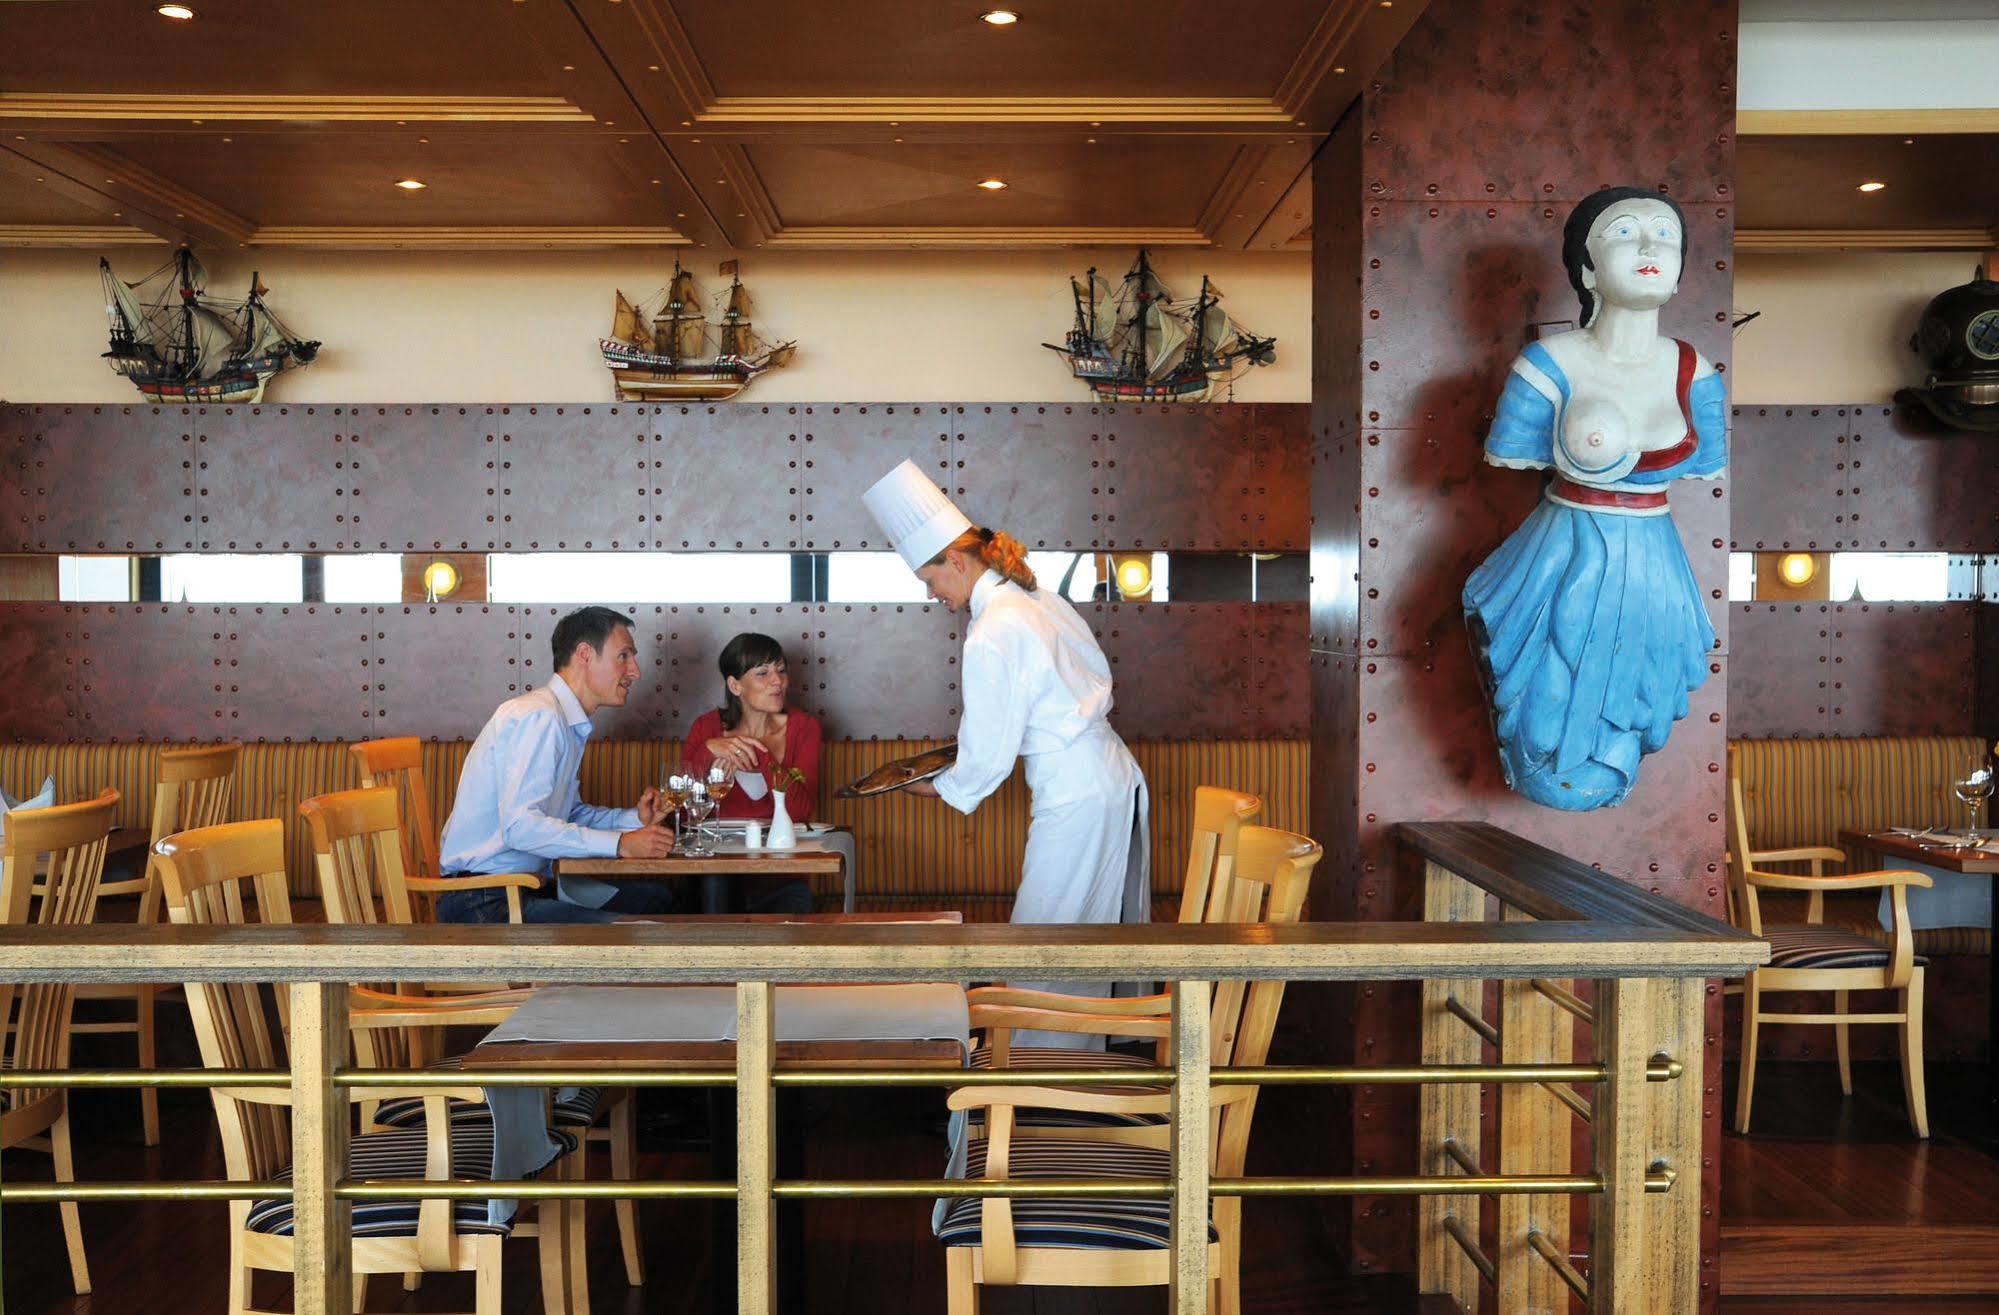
pixel 997 549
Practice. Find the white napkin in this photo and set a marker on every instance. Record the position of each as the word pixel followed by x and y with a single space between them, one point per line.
pixel 752 784
pixel 43 798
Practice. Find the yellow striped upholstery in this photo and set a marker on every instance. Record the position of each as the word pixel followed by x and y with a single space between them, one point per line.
pixel 1803 792
pixel 912 851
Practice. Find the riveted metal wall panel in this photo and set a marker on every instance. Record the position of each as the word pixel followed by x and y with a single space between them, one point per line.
pixel 440 670
pixel 272 479
pixel 300 671
pixel 843 448
pixel 1792 482
pixel 1205 670
pixel 1903 668
pixel 1039 475
pixel 1985 628
pixel 877 670
pixel 110 478
pixel 426 480
pixel 149 672
pixel 724 477
pixel 1205 478
pixel 18 508
pixel 1916 485
pixel 1780 683
pixel 574 478
pixel 38 645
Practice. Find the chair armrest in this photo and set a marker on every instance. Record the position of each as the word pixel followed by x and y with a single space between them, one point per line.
pixel 474 881
pixel 1023 997
pixel 1805 853
pixel 1854 881
pixel 355 1095
pixel 369 997
pixel 445 1015
pixel 1087 1101
pixel 985 1017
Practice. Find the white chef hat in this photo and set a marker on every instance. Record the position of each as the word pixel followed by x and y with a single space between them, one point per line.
pixel 918 519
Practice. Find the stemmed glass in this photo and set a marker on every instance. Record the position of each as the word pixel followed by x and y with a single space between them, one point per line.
pixel 698 804
pixel 1973 789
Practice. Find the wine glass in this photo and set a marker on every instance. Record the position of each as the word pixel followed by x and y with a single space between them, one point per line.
pixel 697 805
pixel 720 782
pixel 1973 789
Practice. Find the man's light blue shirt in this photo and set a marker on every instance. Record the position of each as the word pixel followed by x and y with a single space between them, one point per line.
pixel 517 807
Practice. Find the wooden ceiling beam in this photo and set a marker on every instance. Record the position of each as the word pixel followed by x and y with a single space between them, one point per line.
pixel 1865 123
pixel 462 238
pixel 86 237
pixel 60 170
pixel 98 107
pixel 849 238
pixel 1802 240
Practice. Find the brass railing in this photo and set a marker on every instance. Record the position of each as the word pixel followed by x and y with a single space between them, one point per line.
pixel 1644 1177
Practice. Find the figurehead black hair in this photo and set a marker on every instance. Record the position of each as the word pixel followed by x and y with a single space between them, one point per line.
pixel 1575 235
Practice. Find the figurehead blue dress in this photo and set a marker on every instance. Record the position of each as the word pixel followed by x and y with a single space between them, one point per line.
pixel 1587 625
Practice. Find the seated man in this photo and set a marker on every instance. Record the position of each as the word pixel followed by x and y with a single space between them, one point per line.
pixel 517 809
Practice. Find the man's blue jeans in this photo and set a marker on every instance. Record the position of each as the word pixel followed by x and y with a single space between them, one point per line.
pixel 543 906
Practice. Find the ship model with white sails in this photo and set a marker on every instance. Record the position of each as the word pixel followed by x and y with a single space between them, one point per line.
pixel 179 344
pixel 1138 343
pixel 669 346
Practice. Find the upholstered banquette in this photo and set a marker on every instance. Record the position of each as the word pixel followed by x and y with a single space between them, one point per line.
pixel 913 852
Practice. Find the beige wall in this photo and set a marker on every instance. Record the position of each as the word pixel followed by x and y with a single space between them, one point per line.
pixel 523 326
pixel 1835 327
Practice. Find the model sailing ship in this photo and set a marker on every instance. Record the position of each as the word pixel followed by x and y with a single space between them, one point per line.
pixel 179 344
pixel 668 346
pixel 1137 343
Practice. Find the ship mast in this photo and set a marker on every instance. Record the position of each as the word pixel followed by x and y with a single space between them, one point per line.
pixel 1144 274
pixel 1197 346
pixel 189 352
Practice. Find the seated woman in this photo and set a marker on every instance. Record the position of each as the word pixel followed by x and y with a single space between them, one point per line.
pixel 753 736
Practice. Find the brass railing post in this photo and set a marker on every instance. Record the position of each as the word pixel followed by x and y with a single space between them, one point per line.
pixel 1449 1112
pixel 756 1099
pixel 322 1227
pixel 1192 1100
pixel 1534 1137
pixel 1646 1250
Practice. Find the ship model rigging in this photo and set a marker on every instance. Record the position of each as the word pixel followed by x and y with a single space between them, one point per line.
pixel 1138 343
pixel 669 346
pixel 179 344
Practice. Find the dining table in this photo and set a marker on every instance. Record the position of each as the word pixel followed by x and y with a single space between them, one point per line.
pixel 1946 858
pixel 608 1028
pixel 723 871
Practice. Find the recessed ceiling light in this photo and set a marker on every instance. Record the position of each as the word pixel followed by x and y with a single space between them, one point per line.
pixel 1872 186
pixel 179 12
pixel 1339 68
pixel 409 184
pixel 1000 17
pixel 1908 141
pixel 992 184
pixel 568 68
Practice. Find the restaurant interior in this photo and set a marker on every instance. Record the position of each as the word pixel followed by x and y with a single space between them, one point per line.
pixel 1230 317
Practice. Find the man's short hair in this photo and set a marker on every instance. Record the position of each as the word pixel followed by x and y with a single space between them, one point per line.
pixel 586 625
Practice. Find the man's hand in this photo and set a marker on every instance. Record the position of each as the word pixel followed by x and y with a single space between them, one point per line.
pixel 650 841
pixel 651 807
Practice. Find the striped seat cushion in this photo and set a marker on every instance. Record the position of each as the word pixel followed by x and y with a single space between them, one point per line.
pixel 399 1153
pixel 1046 1057
pixel 1813 945
pixel 1097 1224
pixel 577 1110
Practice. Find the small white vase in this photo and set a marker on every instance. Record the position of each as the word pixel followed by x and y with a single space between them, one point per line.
pixel 781 834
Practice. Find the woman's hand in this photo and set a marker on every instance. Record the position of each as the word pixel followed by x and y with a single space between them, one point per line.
pixel 925 787
pixel 737 753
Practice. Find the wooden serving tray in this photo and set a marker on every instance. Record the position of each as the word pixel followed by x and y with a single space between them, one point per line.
pixel 893 776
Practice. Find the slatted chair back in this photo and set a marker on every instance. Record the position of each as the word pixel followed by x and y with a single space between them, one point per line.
pixel 1219 816
pixel 356 846
pixel 398 763
pixel 203 876
pixel 69 839
pixel 192 789
pixel 1274 872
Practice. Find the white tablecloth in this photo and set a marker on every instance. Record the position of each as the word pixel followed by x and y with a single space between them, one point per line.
pixel 891 1012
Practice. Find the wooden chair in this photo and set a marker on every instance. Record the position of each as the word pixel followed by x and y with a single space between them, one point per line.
pixel 1072 1242
pixel 203 874
pixel 397 764
pixel 1812 956
pixel 355 845
pixel 1209 893
pixel 192 791
pixel 73 838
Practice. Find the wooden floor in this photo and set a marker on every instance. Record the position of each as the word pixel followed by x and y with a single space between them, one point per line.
pixel 1834 1196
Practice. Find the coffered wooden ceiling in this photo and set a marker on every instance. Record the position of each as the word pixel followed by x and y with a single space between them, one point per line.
pixel 569 123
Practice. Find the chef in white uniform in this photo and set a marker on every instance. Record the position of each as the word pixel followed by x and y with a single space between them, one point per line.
pixel 1037 687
